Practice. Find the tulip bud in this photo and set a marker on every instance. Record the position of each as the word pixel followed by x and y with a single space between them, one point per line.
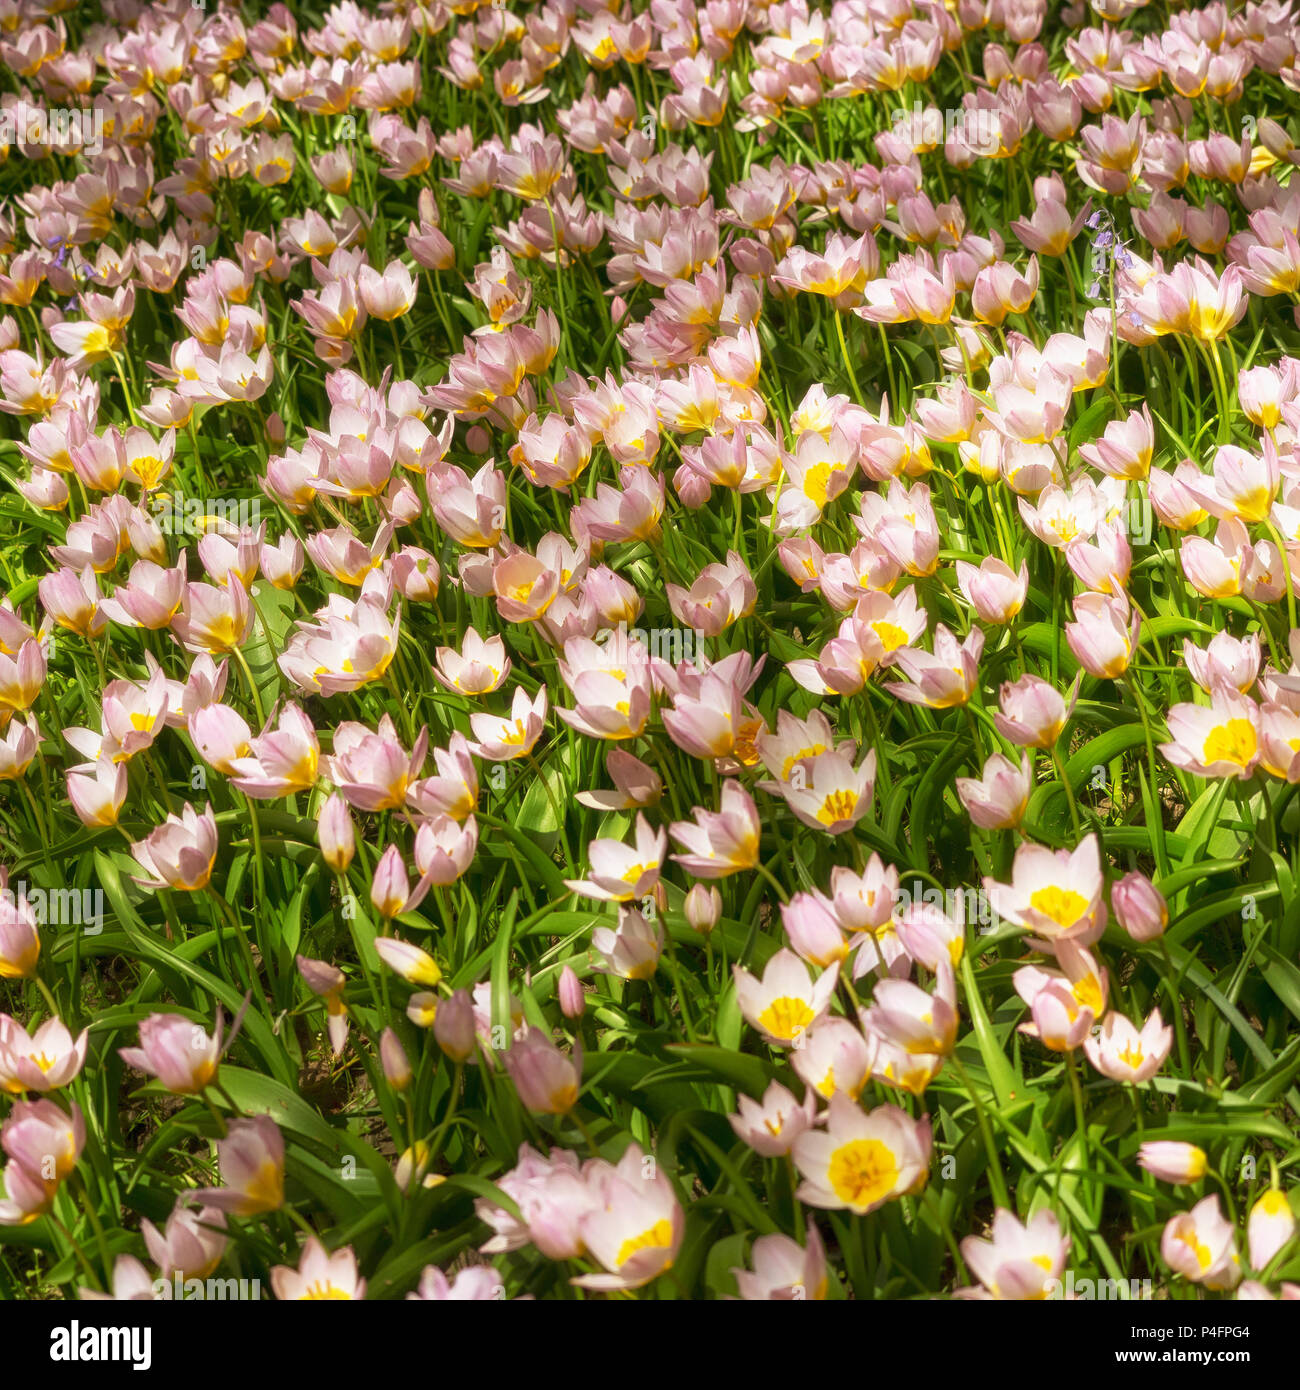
pixel 454 1026
pixel 422 1008
pixel 390 887
pixel 573 1002
pixel 546 1080
pixel 20 940
pixel 1269 1227
pixel 703 907
pixel 392 1055
pixel 412 1165
pixel 415 966
pixel 1140 907
pixel 1170 1160
pixel 334 830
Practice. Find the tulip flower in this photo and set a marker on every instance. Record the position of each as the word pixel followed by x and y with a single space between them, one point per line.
pixel 20 940
pixel 994 590
pixel 452 1021
pixel 784 1270
pixel 474 1283
pixel 1057 894
pixel 179 1052
pixel 180 853
pixel 279 763
pixel 327 981
pixel 863 1159
pixel 1125 1053
pixel 944 679
pixel 479 668
pixel 623 873
pixel 1104 635
pixel 43 1141
pixel 637 1230
pixel 1032 713
pixel 1201 1245
pixel 191 1244
pixel 832 1057
pixel 319 1275
pixel 998 799
pixel 1218 740
pixel 44 1061
pixel 131 1283
pixel 502 739
pixel 251 1162
pixel 913 1019
pixel 97 791
pixel 771 1126
pixel 785 1002
pixel 1020 1260
pixel 632 951
pixel 415 966
pixel 702 907
pixel 720 843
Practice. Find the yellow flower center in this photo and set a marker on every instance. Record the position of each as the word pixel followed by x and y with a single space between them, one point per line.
pixel 863 1172
pixel 891 635
pixel 816 483
pixel 838 806
pixel 1233 742
pixel 1088 992
pixel 318 1291
pixel 786 1018
pixel 656 1237
pixel 1132 1057
pixel 1063 905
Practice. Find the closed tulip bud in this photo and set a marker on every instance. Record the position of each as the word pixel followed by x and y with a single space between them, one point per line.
pixel 412 1166
pixel 1140 907
pixel 703 907
pixel 415 966
pixel 573 1002
pixel 390 888
pixel 1270 1227
pixel 334 830
pixel 453 1028
pixel 178 1051
pixel 392 1055
pixel 1170 1160
pixel 20 941
pixel 42 1138
pixel 547 1081
pixel 422 1008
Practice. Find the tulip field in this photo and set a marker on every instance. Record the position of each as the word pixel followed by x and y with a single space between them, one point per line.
pixel 649 650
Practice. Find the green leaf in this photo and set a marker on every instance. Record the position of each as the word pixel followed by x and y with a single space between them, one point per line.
pixel 750 1074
